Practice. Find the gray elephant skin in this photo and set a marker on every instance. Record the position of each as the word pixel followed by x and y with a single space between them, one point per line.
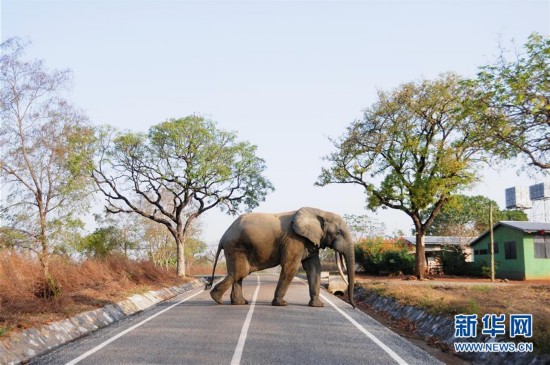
pixel 258 241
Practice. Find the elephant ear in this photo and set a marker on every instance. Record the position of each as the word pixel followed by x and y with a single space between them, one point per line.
pixel 308 224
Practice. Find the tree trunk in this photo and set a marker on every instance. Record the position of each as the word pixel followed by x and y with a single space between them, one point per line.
pixel 420 257
pixel 45 263
pixel 180 243
pixel 44 254
pixel 182 230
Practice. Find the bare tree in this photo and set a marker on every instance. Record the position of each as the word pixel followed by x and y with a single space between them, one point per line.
pixel 46 152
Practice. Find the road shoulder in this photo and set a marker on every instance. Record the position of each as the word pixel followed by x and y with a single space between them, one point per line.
pixel 22 346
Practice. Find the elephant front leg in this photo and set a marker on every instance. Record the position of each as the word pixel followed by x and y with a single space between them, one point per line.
pixel 288 271
pixel 312 266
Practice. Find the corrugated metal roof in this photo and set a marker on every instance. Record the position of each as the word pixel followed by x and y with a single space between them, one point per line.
pixel 441 240
pixel 526 227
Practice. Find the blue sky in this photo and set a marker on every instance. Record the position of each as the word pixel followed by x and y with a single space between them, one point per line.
pixel 285 75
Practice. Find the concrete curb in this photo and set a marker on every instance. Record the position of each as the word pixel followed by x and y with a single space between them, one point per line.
pixel 25 345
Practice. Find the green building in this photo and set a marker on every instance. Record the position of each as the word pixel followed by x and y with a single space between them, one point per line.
pixel 522 250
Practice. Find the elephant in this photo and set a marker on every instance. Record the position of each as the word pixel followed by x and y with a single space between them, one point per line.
pixel 257 241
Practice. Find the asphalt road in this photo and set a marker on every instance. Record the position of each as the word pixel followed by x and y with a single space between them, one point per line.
pixel 193 329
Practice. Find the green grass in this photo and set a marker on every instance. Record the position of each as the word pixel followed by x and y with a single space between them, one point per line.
pixel 481 288
pixel 473 307
pixel 4 331
pixel 380 290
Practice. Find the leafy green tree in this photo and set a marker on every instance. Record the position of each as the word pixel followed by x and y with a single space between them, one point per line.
pixel 46 153
pixel 512 215
pixel 179 170
pixel 415 141
pixel 113 236
pixel 127 228
pixel 468 216
pixel 513 103
pixel 103 242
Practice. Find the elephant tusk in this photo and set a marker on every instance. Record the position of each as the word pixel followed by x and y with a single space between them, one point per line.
pixel 344 265
pixel 339 263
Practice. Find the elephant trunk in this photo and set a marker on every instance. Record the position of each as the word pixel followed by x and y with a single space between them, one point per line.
pixel 345 256
pixel 349 256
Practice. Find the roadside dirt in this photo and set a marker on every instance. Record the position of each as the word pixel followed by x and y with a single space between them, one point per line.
pixel 452 295
pixel 451 280
pixel 26 300
pixel 407 329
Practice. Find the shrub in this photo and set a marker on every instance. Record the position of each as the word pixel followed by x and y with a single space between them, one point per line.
pixel 398 261
pixel 378 255
pixel 486 269
pixel 368 255
pixel 474 269
pixel 453 260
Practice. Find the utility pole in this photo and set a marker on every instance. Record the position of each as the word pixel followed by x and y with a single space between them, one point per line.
pixel 492 244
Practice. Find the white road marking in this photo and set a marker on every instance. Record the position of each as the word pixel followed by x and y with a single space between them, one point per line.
pixel 102 345
pixel 236 360
pixel 382 345
pixel 367 333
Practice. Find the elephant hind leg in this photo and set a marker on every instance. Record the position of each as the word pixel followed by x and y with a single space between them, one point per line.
pixel 242 269
pixel 237 293
pixel 221 288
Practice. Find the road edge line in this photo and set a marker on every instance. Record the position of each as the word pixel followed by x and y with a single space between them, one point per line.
pixel 105 343
pixel 372 337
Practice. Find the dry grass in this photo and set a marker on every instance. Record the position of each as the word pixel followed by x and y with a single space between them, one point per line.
pixel 82 286
pixel 198 269
pixel 481 299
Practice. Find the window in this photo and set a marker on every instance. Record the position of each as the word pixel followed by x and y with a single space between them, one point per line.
pixel 542 247
pixel 480 252
pixel 510 250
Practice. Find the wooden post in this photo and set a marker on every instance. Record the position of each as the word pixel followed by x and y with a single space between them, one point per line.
pixel 492 244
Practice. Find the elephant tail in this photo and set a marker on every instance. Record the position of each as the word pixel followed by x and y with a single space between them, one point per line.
pixel 209 285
